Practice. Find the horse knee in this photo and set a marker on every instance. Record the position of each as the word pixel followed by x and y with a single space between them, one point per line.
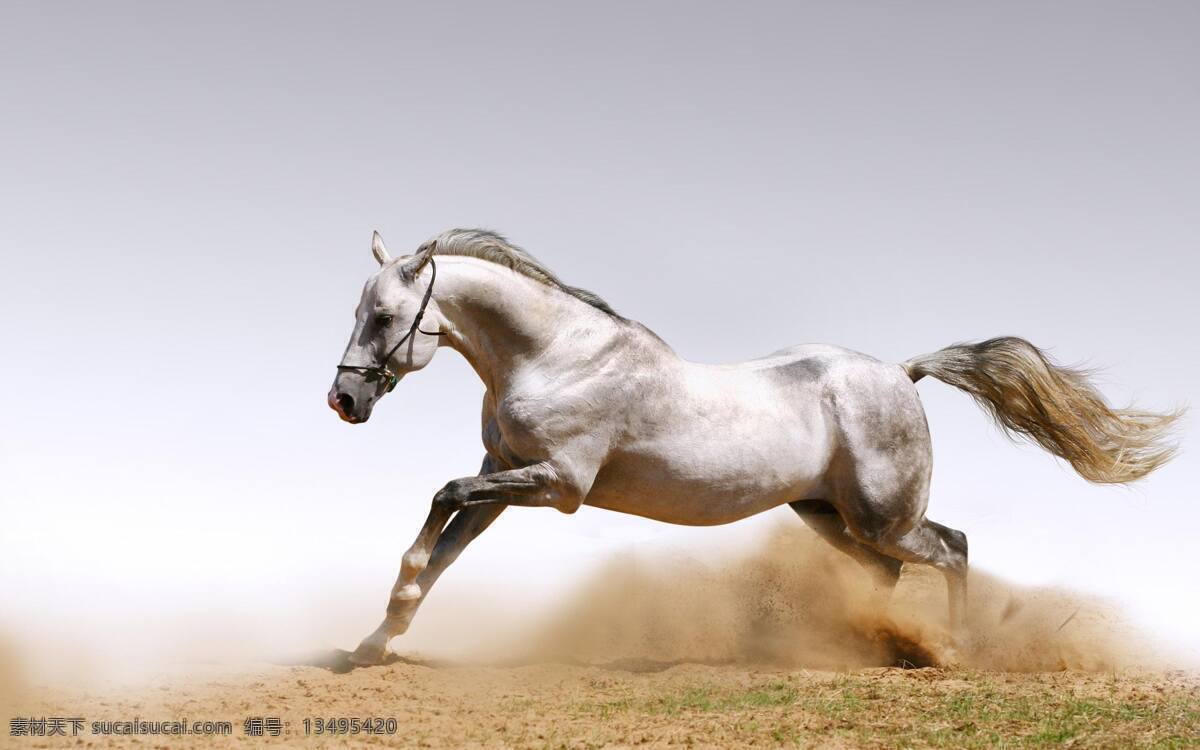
pixel 452 496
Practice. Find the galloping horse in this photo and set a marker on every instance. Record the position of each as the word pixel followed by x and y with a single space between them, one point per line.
pixel 586 407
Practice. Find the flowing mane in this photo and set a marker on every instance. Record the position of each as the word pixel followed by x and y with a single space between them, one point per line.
pixel 493 247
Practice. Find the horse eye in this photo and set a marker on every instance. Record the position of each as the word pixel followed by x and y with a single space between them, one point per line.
pixel 383 321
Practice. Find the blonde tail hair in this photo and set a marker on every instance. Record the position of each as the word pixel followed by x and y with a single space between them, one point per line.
pixel 1027 394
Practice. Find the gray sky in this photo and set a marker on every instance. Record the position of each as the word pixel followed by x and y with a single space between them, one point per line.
pixel 188 194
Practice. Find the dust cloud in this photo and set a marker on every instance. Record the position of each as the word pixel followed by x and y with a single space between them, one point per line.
pixel 798 602
pixel 789 600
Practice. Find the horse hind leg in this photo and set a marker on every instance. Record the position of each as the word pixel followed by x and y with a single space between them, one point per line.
pixel 929 543
pixel 879 483
pixel 825 520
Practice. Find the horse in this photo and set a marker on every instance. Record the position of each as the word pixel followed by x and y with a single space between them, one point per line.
pixel 585 407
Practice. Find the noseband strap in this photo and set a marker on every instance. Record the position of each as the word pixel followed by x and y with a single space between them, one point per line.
pixel 382 371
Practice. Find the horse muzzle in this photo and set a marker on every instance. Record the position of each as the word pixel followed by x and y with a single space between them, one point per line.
pixel 344 404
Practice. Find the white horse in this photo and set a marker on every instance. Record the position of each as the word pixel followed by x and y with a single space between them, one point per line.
pixel 586 407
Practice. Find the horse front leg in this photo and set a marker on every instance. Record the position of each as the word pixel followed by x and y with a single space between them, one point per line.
pixel 477 500
pixel 540 485
pixel 435 547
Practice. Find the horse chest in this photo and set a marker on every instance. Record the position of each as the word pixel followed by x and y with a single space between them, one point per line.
pixel 525 428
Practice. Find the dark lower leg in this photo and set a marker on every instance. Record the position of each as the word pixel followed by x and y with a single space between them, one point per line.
pixel 822 518
pixel 956 575
pixel 942 547
pixel 956 585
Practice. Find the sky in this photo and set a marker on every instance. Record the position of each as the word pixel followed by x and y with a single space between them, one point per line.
pixel 188 193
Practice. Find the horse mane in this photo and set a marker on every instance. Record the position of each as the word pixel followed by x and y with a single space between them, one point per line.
pixel 495 248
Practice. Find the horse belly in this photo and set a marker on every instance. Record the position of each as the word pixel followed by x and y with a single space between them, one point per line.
pixel 706 479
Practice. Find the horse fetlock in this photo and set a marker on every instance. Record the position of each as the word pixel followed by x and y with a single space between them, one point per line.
pixel 404 595
pixel 399 617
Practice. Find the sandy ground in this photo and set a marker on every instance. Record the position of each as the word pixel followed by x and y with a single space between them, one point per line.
pixel 783 647
pixel 645 704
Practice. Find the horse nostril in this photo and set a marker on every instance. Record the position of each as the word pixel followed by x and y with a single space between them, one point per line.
pixel 345 403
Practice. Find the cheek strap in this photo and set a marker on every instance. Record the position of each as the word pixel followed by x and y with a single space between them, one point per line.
pixel 382 371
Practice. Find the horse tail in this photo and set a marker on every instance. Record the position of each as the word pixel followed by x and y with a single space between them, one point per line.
pixel 1028 395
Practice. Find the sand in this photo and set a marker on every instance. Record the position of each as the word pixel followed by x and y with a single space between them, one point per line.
pixel 785 646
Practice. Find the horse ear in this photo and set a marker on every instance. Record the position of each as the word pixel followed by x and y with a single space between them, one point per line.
pixel 413 265
pixel 379 250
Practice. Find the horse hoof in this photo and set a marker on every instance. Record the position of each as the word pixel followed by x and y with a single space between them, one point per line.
pixel 950 657
pixel 367 657
pixel 371 652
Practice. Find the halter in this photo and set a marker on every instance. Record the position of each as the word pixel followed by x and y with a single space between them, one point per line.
pixel 371 373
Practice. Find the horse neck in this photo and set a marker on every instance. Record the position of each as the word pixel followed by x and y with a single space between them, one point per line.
pixel 501 321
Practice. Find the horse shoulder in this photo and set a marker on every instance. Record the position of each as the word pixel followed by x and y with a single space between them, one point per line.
pixel 573 408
